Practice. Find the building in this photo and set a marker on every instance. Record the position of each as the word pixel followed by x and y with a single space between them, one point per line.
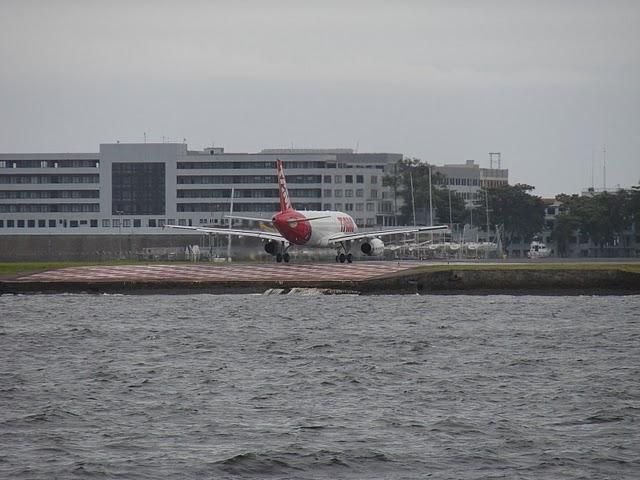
pixel 138 188
pixel 467 179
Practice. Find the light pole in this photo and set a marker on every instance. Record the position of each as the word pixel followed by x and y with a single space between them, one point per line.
pixel 119 213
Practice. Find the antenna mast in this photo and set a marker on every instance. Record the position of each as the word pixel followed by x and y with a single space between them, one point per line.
pixel 604 168
pixel 498 158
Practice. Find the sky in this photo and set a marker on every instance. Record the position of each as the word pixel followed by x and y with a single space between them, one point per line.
pixel 554 86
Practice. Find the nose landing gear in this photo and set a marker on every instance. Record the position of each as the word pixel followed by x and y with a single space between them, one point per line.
pixel 283 255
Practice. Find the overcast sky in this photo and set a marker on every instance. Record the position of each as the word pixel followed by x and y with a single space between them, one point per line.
pixel 548 84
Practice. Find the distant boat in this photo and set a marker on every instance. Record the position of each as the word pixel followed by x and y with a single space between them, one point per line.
pixel 538 250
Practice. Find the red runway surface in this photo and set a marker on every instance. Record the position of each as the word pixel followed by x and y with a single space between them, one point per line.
pixel 220 273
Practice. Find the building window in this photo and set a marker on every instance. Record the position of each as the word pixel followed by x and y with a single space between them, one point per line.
pixel 327 179
pixel 138 188
pixel 337 179
pixel 106 223
pixel 42 223
pixel 73 223
pixel 359 178
pixel 327 206
pixel 374 180
pixel 359 207
pixel 137 223
pixel 338 206
pixel 327 192
pixel 52 224
pixel 10 223
pixel 348 192
pixel 126 223
pixel 348 179
pixel 20 223
pixel 359 192
pixel 1 223
pixel 348 207
pixel 152 222
pixel 370 207
pixel 374 193
pixel 93 224
pixel 115 223
pixel 337 193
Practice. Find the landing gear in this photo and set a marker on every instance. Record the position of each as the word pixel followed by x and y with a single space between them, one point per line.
pixel 343 253
pixel 282 255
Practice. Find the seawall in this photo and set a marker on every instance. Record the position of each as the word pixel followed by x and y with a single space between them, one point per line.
pixel 502 280
pixel 365 278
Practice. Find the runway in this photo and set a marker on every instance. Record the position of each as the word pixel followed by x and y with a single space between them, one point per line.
pixel 262 273
pixel 363 277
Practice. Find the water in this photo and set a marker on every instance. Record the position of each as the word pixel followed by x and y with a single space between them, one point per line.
pixel 394 387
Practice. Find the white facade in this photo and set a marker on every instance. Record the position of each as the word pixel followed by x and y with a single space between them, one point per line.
pixel 467 179
pixel 137 188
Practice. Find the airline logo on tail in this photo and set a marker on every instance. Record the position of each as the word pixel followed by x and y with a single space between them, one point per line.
pixel 285 203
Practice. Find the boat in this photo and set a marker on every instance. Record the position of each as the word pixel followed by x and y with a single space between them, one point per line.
pixel 538 250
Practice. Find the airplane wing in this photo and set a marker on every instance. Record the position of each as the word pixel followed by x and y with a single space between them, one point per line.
pixel 268 220
pixel 253 219
pixel 341 237
pixel 233 231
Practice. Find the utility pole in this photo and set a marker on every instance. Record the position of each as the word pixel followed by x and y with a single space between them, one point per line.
pixel 430 205
pixel 604 168
pixel 450 213
pixel 430 200
pixel 413 199
pixel 230 224
pixel 486 196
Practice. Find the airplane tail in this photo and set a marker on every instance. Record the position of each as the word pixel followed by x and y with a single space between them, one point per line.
pixel 285 203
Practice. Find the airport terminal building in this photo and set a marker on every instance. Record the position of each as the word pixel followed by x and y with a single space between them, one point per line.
pixel 138 188
pixel 118 199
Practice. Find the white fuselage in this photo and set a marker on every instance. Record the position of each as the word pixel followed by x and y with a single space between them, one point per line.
pixel 324 225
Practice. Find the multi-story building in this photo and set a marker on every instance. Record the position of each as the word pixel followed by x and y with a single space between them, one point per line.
pixel 467 179
pixel 138 188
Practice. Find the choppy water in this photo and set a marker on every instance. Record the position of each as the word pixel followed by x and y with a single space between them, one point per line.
pixel 394 387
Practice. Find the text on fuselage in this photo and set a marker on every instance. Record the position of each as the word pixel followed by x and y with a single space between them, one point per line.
pixel 346 224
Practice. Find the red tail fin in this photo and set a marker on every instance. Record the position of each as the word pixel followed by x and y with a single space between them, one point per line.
pixel 285 203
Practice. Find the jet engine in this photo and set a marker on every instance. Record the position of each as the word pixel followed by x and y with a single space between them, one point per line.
pixel 271 247
pixel 373 247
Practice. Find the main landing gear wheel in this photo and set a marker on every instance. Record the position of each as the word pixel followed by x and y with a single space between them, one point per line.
pixel 342 257
pixel 286 257
pixel 349 258
pixel 279 258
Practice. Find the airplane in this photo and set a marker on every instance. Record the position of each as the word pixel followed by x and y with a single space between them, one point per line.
pixel 316 229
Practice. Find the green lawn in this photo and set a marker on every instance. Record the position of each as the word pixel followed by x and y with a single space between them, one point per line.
pixel 628 267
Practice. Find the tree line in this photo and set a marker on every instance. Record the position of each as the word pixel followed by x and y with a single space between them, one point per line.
pixel 602 218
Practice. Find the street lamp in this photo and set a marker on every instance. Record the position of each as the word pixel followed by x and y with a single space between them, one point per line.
pixel 119 213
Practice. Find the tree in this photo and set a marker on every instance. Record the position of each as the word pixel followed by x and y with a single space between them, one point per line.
pixel 601 218
pixel 413 170
pixel 521 213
